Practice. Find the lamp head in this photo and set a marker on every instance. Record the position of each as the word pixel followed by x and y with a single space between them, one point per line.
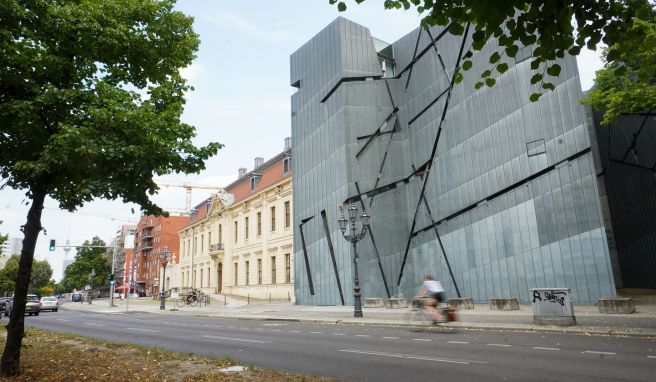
pixel 365 218
pixel 353 212
pixel 342 223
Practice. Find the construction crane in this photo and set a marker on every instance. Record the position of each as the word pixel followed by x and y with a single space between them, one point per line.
pixel 188 187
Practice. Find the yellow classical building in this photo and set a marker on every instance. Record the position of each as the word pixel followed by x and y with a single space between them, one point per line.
pixel 239 241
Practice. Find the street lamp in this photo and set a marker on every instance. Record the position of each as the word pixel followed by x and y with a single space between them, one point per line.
pixel 164 260
pixel 353 237
pixel 91 275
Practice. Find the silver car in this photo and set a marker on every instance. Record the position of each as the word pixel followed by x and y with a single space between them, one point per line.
pixel 50 303
pixel 32 305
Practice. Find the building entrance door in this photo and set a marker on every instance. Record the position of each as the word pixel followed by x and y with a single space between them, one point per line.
pixel 219 278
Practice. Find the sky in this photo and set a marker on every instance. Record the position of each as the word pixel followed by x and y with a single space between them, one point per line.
pixel 241 99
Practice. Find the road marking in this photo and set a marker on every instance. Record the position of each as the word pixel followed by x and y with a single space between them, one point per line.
pixel 502 345
pixel 651 356
pixel 61 319
pixel 458 342
pixel 362 335
pixel 421 339
pixel 392 338
pixel 274 324
pixel 293 331
pixel 315 332
pixel 237 339
pixel 543 348
pixel 143 330
pixel 276 330
pixel 412 356
pixel 92 324
pixel 338 334
pixel 599 352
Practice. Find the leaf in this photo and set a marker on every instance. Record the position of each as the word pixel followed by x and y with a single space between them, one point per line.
pixel 512 50
pixel 341 6
pixel 502 67
pixel 458 78
pixel 548 86
pixel 612 55
pixel 535 96
pixel 466 65
pixel 537 77
pixel 535 64
pixel 490 82
pixel 478 85
pixel 495 57
pixel 456 29
pixel 553 70
pixel 486 73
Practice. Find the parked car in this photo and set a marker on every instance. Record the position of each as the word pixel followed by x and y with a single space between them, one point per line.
pixel 76 297
pixel 3 302
pixel 50 303
pixel 32 306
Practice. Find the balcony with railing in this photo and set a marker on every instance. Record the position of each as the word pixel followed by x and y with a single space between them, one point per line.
pixel 216 250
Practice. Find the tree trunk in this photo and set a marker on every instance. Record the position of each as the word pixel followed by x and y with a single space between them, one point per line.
pixel 10 363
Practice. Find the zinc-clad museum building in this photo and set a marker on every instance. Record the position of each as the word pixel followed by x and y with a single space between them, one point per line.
pixel 487 191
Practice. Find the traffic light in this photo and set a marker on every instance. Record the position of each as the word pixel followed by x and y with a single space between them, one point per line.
pixel 111 278
pixel 52 245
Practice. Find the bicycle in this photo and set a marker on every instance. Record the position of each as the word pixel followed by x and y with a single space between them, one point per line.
pixel 420 316
pixel 190 300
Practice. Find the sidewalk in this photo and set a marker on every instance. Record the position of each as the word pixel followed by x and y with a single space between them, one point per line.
pixel 641 323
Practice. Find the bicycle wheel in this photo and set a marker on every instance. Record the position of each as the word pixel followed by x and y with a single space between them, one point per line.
pixel 181 302
pixel 417 318
pixel 195 302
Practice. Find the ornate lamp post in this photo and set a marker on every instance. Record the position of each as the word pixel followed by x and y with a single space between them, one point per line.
pixel 353 237
pixel 164 260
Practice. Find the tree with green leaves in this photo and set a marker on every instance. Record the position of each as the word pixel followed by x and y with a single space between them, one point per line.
pixel 40 276
pixel 90 102
pixel 8 275
pixel 627 82
pixel 76 275
pixel 552 28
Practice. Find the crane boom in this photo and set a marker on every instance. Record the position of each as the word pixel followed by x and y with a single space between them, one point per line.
pixel 188 187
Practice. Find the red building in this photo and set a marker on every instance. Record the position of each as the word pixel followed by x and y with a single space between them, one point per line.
pixel 153 234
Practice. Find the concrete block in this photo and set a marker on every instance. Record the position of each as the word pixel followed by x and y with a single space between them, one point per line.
pixel 396 303
pixel 616 305
pixel 461 303
pixel 374 303
pixel 504 303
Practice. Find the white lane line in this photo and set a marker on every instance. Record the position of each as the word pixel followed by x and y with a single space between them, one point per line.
pixel 237 339
pixel 293 331
pixel 362 335
pixel 501 345
pixel 422 339
pixel 61 319
pixel 338 334
pixel 412 356
pixel 143 330
pixel 315 332
pixel 276 330
pixel 458 342
pixel 392 338
pixel 92 324
pixel 651 356
pixel 543 348
pixel 599 352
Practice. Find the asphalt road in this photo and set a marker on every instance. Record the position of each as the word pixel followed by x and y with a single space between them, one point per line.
pixel 367 353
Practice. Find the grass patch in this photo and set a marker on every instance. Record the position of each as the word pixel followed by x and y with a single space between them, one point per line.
pixel 55 357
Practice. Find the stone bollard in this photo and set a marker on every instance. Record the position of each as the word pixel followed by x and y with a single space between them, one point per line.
pixel 374 303
pixel 461 303
pixel 396 303
pixel 616 305
pixel 504 303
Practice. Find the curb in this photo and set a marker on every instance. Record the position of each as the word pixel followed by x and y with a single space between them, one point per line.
pixel 581 330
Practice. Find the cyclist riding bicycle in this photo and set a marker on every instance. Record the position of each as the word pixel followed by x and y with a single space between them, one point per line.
pixel 433 292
